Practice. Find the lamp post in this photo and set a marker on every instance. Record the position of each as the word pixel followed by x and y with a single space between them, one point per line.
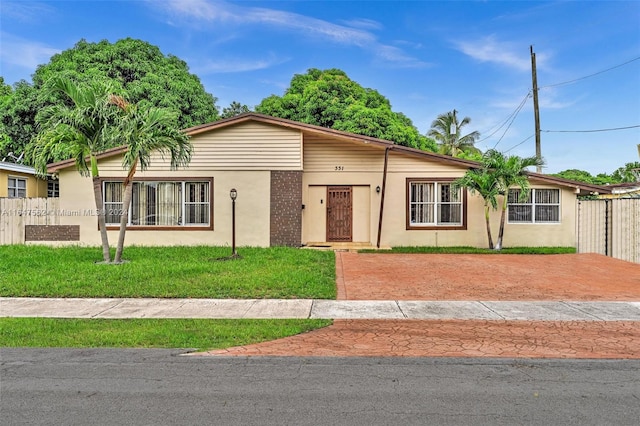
pixel 233 194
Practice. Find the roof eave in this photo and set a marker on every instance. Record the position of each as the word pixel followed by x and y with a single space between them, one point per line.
pixel 59 165
pixel 581 187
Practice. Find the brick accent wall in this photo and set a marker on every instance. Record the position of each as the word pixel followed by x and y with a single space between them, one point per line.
pixel 286 208
pixel 52 232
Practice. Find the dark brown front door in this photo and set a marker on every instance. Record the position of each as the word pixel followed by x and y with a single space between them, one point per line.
pixel 339 224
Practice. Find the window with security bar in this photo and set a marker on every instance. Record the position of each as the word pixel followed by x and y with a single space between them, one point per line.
pixel 433 203
pixel 161 203
pixel 535 206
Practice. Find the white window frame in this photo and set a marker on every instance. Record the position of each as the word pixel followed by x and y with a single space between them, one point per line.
pixel 533 203
pixel 112 208
pixel 53 188
pixel 15 188
pixel 434 205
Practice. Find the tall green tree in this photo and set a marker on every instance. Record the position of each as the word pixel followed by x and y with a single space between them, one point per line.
pixel 630 172
pixel 484 183
pixel 146 131
pixel 234 108
pixel 446 129
pixel 141 70
pixel 508 171
pixel 329 98
pixel 18 111
pixel 83 125
pixel 586 177
pixel 5 97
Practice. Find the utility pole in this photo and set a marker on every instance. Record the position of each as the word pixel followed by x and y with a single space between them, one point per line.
pixel 536 111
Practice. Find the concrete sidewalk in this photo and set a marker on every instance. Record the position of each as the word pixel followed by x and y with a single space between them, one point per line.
pixel 321 309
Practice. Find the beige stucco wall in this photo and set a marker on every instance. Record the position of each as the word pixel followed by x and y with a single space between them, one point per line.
pixel 35 187
pixel 243 156
pixel 344 163
pixel 543 234
pixel 252 214
pixel 240 156
pixel 314 216
pixel 539 234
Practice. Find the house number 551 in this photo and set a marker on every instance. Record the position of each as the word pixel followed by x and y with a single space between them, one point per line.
pixel 339 168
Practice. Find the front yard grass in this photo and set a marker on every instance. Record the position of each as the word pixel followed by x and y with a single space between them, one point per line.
pixel 164 272
pixel 167 272
pixel 198 334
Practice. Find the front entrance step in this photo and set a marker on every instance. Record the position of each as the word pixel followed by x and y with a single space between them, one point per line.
pixel 342 246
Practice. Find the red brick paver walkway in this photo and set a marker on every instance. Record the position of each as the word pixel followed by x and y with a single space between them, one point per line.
pixel 457 338
pixel 580 277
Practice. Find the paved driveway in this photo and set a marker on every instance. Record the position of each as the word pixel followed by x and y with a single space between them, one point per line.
pixel 576 277
pixel 472 277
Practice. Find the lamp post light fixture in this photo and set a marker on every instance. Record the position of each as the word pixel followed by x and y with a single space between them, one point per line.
pixel 233 194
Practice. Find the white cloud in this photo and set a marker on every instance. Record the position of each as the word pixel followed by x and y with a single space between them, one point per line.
pixel 550 98
pixel 220 11
pixel 489 49
pixel 24 53
pixel 25 11
pixel 398 57
pixel 364 24
pixel 237 65
pixel 355 33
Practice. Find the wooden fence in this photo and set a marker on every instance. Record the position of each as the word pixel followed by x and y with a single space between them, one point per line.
pixel 15 213
pixel 609 227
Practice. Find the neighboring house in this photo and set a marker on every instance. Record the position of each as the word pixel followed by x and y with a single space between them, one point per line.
pixel 300 184
pixel 622 190
pixel 20 181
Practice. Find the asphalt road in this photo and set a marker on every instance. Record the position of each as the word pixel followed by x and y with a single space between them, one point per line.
pixel 159 387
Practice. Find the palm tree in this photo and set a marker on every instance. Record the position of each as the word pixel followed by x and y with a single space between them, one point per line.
pixel 145 131
pixel 83 126
pixel 509 171
pixel 446 130
pixel 482 182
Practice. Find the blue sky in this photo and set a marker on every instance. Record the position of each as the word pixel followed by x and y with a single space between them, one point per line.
pixel 426 57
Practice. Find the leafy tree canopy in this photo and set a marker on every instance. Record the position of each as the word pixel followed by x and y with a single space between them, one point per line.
pixel 235 108
pixel 329 98
pixel 141 70
pixel 630 172
pixel 5 89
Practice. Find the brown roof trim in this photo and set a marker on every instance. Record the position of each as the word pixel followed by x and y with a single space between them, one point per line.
pixel 55 167
pixel 583 187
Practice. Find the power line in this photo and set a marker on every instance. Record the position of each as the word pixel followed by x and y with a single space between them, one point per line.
pixel 518 144
pixel 507 119
pixel 590 75
pixel 591 131
pixel 513 119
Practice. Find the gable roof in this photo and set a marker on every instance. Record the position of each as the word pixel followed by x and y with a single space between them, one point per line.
pixel 325 131
pixel 346 136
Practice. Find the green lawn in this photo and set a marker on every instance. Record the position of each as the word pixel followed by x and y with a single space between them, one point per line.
pixel 171 272
pixel 197 334
pixel 167 272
